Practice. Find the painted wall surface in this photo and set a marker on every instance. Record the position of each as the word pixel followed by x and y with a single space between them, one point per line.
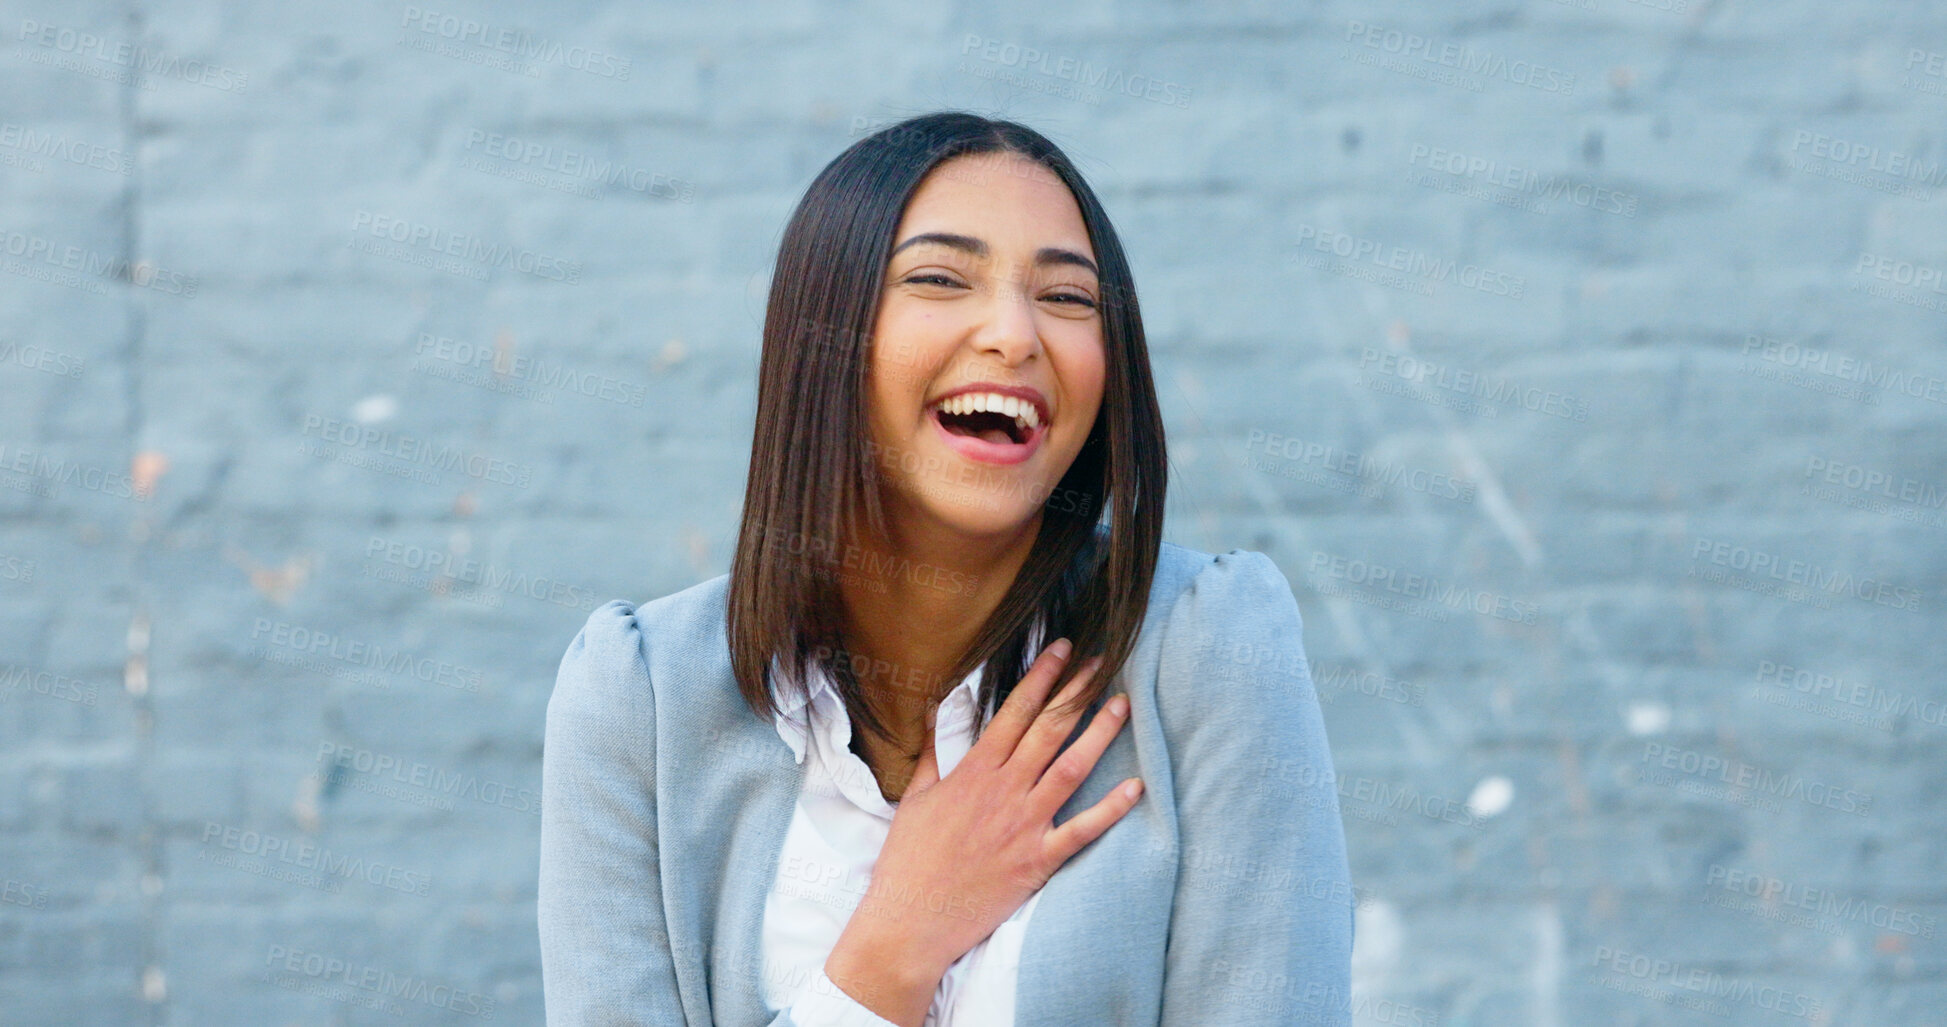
pixel 1583 365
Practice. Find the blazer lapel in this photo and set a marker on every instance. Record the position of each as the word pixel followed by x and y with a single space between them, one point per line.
pixel 1085 953
pixel 739 793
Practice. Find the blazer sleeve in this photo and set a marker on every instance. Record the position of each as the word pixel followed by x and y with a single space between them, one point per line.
pixel 606 959
pixel 1261 929
pixel 605 953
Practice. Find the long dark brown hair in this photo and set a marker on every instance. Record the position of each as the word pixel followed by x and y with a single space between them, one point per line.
pixel 812 470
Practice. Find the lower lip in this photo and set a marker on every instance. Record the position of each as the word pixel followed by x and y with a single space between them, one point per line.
pixel 982 451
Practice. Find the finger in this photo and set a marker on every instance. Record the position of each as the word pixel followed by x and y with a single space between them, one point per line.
pixel 926 773
pixel 1076 762
pixel 1071 693
pixel 1065 841
pixel 1011 721
pixel 1052 726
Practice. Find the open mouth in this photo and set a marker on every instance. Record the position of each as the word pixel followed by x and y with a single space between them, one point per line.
pixel 987 425
pixel 991 428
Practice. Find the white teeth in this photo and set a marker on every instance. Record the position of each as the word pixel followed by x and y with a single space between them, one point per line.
pixel 1026 417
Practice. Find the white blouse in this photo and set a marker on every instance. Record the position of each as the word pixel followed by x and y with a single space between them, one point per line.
pixel 836 833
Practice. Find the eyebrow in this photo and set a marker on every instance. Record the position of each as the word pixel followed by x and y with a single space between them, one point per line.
pixel 1044 255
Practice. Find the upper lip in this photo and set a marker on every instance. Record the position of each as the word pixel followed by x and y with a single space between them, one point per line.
pixel 1029 393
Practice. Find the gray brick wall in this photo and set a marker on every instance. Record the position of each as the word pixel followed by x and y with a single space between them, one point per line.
pixel 1579 362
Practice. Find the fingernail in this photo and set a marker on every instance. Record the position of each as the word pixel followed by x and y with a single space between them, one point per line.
pixel 1061 648
pixel 1119 705
pixel 1133 789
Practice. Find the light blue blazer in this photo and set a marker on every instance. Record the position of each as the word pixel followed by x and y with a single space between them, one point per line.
pixel 1221 898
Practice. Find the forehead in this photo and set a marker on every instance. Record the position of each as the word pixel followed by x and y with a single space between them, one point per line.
pixel 1000 197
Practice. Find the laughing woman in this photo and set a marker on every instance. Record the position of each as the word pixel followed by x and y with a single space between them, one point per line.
pixel 847 782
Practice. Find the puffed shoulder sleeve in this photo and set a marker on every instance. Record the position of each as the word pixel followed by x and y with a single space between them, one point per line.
pixel 605 953
pixel 1261 929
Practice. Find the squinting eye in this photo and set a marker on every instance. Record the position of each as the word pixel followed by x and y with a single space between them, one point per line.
pixel 932 280
pixel 1074 298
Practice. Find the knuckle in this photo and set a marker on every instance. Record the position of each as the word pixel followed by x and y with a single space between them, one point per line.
pixel 1068 771
pixel 973 764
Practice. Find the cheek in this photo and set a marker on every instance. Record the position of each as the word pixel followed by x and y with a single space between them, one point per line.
pixel 897 401
pixel 1090 378
pixel 906 359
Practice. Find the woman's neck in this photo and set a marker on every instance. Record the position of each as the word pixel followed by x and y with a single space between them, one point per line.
pixel 913 604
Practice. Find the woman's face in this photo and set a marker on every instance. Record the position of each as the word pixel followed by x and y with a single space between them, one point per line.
pixel 987 360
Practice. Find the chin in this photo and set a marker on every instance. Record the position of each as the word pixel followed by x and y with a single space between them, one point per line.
pixel 972 509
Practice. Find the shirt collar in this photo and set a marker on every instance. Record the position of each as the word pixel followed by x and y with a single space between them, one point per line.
pixel 792 719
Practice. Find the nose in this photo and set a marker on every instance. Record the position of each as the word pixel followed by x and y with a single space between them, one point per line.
pixel 1009 330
